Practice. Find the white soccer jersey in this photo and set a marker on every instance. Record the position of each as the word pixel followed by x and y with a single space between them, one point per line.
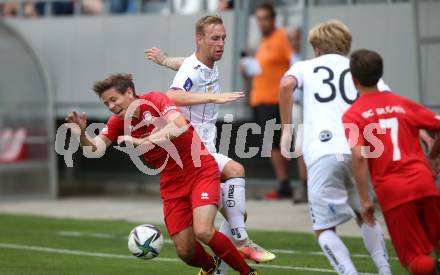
pixel 328 91
pixel 194 76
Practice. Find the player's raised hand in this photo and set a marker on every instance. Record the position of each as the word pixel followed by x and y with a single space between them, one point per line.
pixel 367 212
pixel 223 98
pixel 78 119
pixel 156 55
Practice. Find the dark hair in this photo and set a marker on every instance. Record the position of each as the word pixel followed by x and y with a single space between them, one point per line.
pixel 269 7
pixel 366 66
pixel 121 82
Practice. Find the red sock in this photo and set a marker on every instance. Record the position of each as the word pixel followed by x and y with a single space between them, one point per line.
pixel 224 248
pixel 201 258
pixel 422 265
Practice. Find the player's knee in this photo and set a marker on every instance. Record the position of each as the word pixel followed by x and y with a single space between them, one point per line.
pixel 204 234
pixel 233 169
pixel 184 252
pixel 422 265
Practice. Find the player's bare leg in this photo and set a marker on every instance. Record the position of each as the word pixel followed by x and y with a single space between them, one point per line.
pixel 234 210
pixel 335 251
pixel 192 252
pixel 204 231
pixel 375 244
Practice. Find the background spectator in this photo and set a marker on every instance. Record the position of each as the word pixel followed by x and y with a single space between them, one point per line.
pixel 273 58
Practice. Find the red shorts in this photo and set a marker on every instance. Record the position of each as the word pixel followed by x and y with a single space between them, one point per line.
pixel 204 189
pixel 414 228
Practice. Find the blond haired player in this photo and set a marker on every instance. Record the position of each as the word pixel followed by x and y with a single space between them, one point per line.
pixel 328 91
pixel 196 88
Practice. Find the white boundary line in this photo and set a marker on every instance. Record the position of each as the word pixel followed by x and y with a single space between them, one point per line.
pixel 162 259
pixel 168 241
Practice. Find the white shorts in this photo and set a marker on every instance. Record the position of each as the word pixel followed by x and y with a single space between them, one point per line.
pixel 332 192
pixel 221 160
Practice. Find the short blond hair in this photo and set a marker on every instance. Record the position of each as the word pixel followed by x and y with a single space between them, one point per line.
pixel 206 21
pixel 331 36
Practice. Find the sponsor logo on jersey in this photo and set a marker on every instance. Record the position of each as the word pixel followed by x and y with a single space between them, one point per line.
pixel 197 67
pixel 230 203
pixel 188 84
pixel 231 192
pixel 204 196
pixel 325 136
pixel 167 109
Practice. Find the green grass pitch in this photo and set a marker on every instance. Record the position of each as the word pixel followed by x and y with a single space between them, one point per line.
pixel 39 245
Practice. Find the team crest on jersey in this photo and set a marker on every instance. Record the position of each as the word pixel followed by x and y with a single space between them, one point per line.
pixel 148 117
pixel 210 89
pixel 325 136
pixel 188 84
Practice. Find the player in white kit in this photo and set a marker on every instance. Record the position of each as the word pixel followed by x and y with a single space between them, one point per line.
pixel 196 88
pixel 328 91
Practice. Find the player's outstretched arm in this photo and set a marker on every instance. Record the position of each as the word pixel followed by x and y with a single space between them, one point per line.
pixel 176 126
pixel 182 98
pixel 361 175
pixel 159 57
pixel 98 144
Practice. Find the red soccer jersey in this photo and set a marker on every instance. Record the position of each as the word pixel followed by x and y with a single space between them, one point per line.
pixel 155 106
pixel 401 173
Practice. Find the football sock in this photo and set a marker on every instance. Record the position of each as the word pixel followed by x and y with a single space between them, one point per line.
pixel 234 205
pixel 422 265
pixel 225 228
pixel 201 258
pixel 224 248
pixel 375 244
pixel 337 253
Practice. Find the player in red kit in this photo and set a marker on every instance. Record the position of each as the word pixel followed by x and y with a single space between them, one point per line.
pixel 383 131
pixel 152 125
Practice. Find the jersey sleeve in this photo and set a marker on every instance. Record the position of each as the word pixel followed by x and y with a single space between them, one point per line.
pixel 183 79
pixel 113 129
pixel 423 118
pixel 165 105
pixel 353 129
pixel 297 71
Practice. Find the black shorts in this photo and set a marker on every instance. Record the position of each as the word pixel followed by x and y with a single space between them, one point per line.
pixel 263 113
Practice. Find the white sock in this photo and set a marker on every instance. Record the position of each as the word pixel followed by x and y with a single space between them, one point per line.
pixel 234 205
pixel 375 244
pixel 225 228
pixel 337 253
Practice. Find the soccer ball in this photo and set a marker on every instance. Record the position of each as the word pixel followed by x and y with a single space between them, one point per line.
pixel 145 241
